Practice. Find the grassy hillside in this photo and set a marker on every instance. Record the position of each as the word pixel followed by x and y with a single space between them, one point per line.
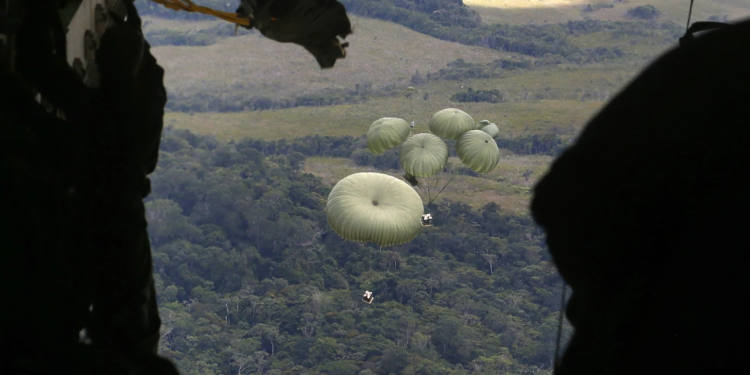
pixel 513 118
pixel 380 53
pixel 555 11
pixel 558 100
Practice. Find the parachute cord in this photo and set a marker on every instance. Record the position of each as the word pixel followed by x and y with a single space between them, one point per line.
pixel 430 190
pixel 433 188
pixel 560 326
pixel 425 189
pixel 690 13
pixel 444 186
pixel 189 6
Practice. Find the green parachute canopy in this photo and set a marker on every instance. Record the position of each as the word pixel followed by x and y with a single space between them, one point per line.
pixel 492 130
pixel 387 133
pixel 482 124
pixel 478 151
pixel 451 123
pixel 423 155
pixel 374 207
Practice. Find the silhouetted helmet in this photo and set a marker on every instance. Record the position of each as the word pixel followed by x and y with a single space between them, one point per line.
pixel 120 53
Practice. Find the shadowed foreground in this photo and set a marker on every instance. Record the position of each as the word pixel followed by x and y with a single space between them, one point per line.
pixel 645 218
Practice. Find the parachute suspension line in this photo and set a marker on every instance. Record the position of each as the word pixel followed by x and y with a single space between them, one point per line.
pixel 690 13
pixel 429 190
pixel 451 175
pixel 560 326
pixel 434 187
pixel 189 6
pixel 426 190
pixel 450 179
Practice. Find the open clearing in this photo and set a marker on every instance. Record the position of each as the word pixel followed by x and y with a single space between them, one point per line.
pixel 513 118
pixel 565 112
pixel 506 185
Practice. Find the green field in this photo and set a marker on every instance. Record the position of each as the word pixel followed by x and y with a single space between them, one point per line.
pixel 506 185
pixel 515 118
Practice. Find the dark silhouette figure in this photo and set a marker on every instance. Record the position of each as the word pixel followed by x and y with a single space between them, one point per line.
pixel 315 25
pixel 72 223
pixel 647 218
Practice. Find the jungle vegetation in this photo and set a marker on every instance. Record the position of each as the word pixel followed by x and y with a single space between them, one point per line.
pixel 251 279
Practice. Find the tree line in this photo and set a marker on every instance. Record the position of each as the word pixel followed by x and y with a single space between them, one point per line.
pixel 239 101
pixel 355 147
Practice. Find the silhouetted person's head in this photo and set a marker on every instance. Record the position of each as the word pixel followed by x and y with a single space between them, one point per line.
pixel 120 54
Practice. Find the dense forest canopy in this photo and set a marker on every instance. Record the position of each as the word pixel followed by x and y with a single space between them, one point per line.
pixel 250 277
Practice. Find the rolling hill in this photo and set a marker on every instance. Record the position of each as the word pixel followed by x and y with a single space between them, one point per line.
pixel 380 53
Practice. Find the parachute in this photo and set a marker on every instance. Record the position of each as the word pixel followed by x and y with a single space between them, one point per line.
pixel 423 155
pixel 478 151
pixel 450 123
pixel 387 133
pixel 489 128
pixel 374 207
pixel 426 156
pixel 379 208
pixel 473 151
pixel 492 130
